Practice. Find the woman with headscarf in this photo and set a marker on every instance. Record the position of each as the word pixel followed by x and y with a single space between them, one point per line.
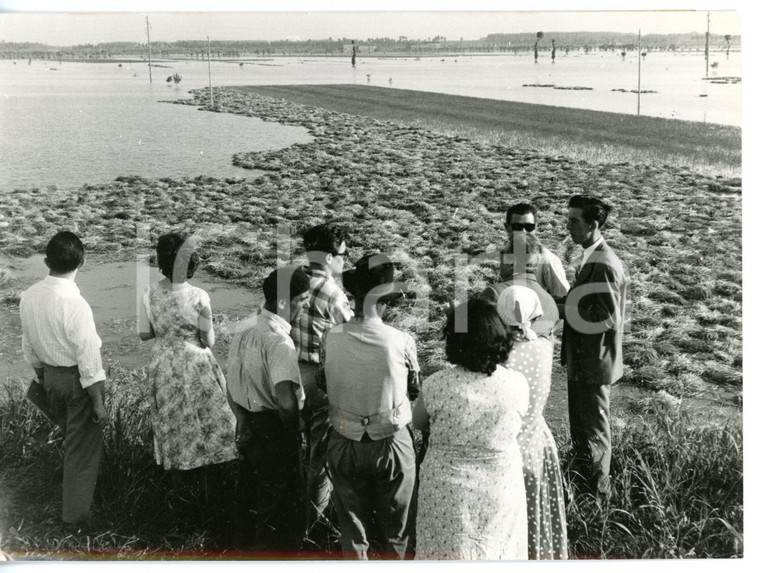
pixel 531 355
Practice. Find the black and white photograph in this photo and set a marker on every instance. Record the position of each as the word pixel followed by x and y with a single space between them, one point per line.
pixel 422 282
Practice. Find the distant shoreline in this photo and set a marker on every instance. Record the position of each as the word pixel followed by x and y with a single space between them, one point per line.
pixel 123 59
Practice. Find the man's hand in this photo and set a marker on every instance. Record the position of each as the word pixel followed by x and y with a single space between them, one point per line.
pixel 99 414
pixel 97 393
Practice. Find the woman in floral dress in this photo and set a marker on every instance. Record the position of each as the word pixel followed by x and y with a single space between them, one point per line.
pixel 193 425
pixel 471 502
pixel 519 307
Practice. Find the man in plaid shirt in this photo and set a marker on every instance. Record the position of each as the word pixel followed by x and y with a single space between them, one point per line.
pixel 328 306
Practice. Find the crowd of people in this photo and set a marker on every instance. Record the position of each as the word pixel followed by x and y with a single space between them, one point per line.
pixel 483 482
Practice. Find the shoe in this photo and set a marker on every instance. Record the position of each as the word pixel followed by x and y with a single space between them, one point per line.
pixel 84 526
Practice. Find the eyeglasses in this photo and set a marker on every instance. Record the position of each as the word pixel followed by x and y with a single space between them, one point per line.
pixel 528 227
pixel 344 254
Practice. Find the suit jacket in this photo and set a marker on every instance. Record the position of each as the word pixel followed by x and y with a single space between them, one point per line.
pixel 543 326
pixel 592 338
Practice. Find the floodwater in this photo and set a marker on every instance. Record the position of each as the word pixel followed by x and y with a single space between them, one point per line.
pixel 68 124
pixel 89 123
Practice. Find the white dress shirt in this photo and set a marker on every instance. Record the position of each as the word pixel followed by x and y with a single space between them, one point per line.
pixel 550 274
pixel 587 252
pixel 57 329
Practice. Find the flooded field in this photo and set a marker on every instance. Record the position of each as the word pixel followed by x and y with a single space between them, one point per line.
pixel 71 124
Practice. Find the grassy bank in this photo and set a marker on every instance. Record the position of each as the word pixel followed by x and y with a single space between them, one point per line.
pixel 677 492
pixel 436 202
pixel 594 136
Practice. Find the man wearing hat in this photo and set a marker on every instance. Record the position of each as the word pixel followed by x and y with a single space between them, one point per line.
pixel 370 373
pixel 265 393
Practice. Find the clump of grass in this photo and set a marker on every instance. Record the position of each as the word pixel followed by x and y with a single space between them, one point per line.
pixel 723 375
pixel 677 491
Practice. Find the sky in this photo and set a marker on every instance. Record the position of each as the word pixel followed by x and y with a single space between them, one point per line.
pixel 24 20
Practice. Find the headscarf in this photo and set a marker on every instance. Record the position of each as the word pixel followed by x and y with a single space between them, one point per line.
pixel 518 306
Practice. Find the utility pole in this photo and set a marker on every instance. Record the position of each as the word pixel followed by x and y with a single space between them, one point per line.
pixel 638 91
pixel 210 90
pixel 707 48
pixel 150 72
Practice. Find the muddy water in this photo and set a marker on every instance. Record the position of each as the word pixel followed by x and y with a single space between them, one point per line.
pixel 111 289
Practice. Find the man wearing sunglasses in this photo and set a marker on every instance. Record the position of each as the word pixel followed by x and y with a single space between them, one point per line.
pixel 550 274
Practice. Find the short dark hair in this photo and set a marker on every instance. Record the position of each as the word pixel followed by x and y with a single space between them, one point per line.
pixel 169 247
pixel 64 252
pixel 486 341
pixel 325 238
pixel 521 209
pixel 296 278
pixel 533 249
pixel 592 208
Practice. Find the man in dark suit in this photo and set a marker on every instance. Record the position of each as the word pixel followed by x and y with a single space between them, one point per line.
pixel 594 313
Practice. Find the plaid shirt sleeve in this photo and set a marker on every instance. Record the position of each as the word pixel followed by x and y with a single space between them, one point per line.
pixel 339 308
pixel 321 380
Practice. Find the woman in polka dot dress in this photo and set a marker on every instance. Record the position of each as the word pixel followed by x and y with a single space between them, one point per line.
pixel 531 355
pixel 471 502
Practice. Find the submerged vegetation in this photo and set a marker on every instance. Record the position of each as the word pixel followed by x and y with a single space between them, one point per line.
pixel 435 201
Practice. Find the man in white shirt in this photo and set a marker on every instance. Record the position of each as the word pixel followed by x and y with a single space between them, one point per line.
pixel 59 340
pixel 265 393
pixel 550 274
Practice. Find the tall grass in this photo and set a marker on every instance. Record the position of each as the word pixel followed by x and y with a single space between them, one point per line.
pixel 677 492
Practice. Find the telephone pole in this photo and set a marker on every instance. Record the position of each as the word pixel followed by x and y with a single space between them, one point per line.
pixel 210 90
pixel 150 70
pixel 707 48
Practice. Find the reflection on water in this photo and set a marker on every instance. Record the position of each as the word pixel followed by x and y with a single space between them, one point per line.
pixel 87 123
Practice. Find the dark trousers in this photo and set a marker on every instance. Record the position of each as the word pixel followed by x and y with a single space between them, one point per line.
pixel 317 420
pixel 373 484
pixel 270 494
pixel 71 407
pixel 589 410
